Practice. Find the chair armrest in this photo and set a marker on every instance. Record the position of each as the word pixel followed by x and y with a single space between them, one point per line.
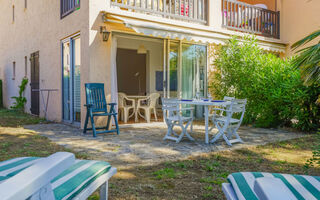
pixel 140 100
pixel 111 104
pixel 268 188
pixel 31 180
pixel 130 100
pixel 88 105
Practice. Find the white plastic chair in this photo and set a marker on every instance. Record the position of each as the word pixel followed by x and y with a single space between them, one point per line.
pixel 125 108
pixel 151 102
pixel 226 122
pixel 173 116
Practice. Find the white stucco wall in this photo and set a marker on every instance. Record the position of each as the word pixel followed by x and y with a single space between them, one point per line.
pixel 39 28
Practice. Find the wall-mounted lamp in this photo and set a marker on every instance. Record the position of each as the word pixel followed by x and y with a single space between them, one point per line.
pixel 105 33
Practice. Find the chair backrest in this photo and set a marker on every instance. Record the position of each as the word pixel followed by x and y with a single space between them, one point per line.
pixel 153 98
pixel 226 98
pixel 121 99
pixel 169 107
pixel 238 106
pixel 95 96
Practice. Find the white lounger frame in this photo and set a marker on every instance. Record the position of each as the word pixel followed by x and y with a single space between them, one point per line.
pixel 33 183
pixel 228 191
pixel 102 183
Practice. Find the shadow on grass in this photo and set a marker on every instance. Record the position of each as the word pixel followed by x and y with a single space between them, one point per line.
pixel 201 177
pixel 20 142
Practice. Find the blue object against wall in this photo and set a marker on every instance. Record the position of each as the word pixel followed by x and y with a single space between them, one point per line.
pixel 173 81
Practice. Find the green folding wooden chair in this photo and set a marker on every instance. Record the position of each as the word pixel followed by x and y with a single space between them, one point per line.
pixel 97 106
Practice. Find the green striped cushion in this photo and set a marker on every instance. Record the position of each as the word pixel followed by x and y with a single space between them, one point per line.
pixel 69 183
pixel 302 186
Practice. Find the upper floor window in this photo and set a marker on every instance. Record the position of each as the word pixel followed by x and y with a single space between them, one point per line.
pixel 13 70
pixel 13 14
pixel 68 6
pixel 25 66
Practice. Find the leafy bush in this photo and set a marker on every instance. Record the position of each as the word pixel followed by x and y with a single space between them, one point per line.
pixel 20 101
pixel 274 89
pixel 314 161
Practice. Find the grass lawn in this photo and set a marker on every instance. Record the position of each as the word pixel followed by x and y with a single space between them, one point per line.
pixel 195 178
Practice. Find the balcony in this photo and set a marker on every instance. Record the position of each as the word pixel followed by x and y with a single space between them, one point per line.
pixel 194 11
pixel 68 6
pixel 247 18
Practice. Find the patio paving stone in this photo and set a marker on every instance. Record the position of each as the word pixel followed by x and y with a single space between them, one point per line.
pixel 142 144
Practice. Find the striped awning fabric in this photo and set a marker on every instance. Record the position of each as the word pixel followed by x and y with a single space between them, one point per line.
pixel 69 183
pixel 302 186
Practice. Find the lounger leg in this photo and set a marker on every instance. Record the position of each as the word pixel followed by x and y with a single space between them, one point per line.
pixel 104 191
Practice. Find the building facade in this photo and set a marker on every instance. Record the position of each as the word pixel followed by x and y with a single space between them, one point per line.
pixel 133 46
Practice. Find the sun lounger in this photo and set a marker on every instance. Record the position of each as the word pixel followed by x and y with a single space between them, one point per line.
pixel 267 186
pixel 59 176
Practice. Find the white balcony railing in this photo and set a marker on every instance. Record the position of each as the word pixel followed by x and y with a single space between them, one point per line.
pixel 186 10
pixel 248 18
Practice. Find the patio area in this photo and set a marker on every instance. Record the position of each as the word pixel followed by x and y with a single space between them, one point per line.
pixel 142 144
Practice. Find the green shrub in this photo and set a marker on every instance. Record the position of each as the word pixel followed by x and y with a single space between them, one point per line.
pixel 274 89
pixel 20 101
pixel 314 161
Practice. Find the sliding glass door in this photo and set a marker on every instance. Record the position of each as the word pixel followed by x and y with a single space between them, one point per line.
pixel 185 71
pixel 194 64
pixel 71 95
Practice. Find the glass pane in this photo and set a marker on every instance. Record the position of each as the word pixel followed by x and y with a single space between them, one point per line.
pixel 173 70
pixel 76 81
pixel 194 62
pixel 66 81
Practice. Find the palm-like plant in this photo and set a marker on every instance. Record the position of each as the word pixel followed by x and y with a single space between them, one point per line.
pixel 308 59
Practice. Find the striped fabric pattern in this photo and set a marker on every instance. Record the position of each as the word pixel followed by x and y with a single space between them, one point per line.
pixel 302 186
pixel 69 183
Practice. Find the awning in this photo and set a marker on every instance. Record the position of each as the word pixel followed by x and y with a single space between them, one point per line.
pixel 173 32
pixel 164 31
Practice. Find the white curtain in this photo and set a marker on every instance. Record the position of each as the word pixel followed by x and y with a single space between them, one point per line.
pixel 114 81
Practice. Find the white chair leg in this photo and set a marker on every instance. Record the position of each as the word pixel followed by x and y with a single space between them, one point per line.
pixel 155 114
pixel 234 131
pixel 168 132
pixel 147 115
pixel 125 115
pixel 182 134
pixel 104 191
pixel 121 114
pixel 226 139
pixel 230 133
